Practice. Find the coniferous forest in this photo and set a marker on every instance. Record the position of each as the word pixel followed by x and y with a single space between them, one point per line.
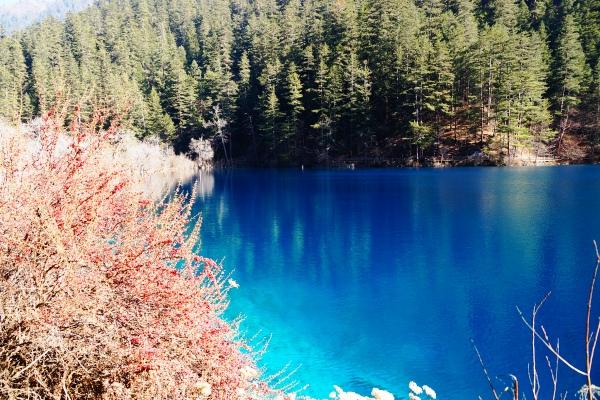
pixel 308 81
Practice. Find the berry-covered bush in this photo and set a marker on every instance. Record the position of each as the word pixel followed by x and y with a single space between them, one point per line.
pixel 101 292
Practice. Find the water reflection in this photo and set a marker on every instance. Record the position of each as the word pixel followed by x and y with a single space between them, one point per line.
pixel 372 278
pixel 204 184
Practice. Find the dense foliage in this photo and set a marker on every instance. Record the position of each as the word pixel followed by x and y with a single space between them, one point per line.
pixel 91 305
pixel 309 80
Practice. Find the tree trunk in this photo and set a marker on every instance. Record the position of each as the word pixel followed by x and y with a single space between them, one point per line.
pixel 489 99
pixel 562 124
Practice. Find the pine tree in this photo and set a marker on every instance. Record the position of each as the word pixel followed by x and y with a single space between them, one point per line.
pixel 323 123
pixel 244 74
pixel 521 109
pixel 360 134
pixel 335 103
pixel 158 121
pixel 416 77
pixel 596 100
pixel 492 57
pixel 571 73
pixel 387 34
pixel 437 97
pixel 294 96
pixel 345 77
pixel 420 89
pixel 243 121
pixel 48 75
pixel 180 93
pixel 291 26
pixel 523 21
pixel 533 107
pixel 588 14
pixel 271 119
pixel 14 101
pixel 504 12
pixel 461 42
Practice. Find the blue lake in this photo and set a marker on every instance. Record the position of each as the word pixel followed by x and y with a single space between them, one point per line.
pixel 373 278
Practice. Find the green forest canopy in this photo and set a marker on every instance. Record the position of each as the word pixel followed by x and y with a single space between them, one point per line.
pixel 307 80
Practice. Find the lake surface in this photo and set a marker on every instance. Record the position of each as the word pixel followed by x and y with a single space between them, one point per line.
pixel 373 278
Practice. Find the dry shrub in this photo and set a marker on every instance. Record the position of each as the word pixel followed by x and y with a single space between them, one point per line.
pixel 154 164
pixel 91 305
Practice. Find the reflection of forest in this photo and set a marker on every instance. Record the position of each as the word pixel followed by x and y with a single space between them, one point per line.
pixel 415 262
pixel 205 183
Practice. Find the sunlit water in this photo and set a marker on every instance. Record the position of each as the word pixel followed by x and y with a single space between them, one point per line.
pixel 372 278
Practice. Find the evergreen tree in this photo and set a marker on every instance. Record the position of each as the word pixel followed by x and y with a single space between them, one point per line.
pixel 323 123
pixel 48 73
pixel 14 100
pixel 158 122
pixel 589 22
pixel 504 12
pixel 571 73
pixel 596 100
pixel 437 98
pixel 271 119
pixel 294 96
pixel 180 93
pixel 244 74
pixel 359 105
pixel 279 79
pixel 523 20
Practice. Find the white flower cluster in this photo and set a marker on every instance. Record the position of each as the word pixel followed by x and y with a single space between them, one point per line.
pixel 416 391
pixel 377 394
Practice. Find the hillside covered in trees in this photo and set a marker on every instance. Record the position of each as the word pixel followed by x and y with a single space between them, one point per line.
pixel 309 81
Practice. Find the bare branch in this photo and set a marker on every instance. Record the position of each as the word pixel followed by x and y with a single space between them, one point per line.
pixel 549 346
pixel 515 387
pixel 20 372
pixel 595 342
pixel 485 370
pixel 588 351
pixel 554 372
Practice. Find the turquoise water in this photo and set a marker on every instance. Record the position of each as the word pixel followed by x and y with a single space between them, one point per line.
pixel 377 277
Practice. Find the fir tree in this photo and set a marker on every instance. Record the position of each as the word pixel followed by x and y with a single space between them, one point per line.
pixel 349 77
pixel 271 118
pixel 158 122
pixel 571 72
pixel 14 100
pixel 295 107
pixel 596 100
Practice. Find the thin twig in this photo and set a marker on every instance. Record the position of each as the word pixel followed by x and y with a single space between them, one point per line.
pixel 534 377
pixel 515 387
pixel 595 342
pixel 588 352
pixel 554 372
pixel 485 370
pixel 549 346
pixel 15 376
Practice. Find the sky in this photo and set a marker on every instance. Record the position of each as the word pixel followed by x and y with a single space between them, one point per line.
pixel 16 14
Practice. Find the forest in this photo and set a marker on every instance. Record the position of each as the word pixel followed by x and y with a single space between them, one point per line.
pixel 284 82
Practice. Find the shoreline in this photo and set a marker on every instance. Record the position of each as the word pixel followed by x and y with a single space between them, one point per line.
pixel 352 164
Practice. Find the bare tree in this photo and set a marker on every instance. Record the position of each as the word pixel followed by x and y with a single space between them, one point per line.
pixel 591 339
pixel 219 124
